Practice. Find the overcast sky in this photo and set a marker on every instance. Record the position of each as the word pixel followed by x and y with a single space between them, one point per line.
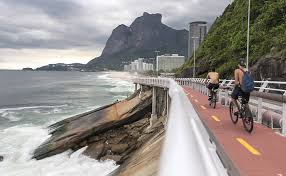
pixel 38 32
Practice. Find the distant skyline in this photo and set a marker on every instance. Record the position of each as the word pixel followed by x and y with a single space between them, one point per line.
pixel 34 33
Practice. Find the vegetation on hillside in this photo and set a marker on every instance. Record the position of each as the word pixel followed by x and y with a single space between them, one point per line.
pixel 226 41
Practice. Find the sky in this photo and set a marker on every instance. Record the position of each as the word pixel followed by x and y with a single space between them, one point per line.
pixel 34 33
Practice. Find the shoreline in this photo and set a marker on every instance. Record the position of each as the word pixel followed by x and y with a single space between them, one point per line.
pixel 29 128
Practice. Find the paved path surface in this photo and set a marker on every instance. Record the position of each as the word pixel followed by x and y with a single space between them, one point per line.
pixel 261 153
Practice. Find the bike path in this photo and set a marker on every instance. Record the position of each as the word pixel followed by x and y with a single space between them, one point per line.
pixel 261 153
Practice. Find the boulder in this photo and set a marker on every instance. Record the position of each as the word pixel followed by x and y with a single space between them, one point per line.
pixel 95 150
pixel 119 148
pixel 116 139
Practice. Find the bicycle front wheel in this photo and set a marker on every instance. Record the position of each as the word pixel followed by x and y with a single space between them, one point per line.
pixel 247 120
pixel 233 117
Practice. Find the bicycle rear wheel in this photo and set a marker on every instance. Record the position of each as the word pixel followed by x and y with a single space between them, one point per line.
pixel 233 117
pixel 213 101
pixel 247 120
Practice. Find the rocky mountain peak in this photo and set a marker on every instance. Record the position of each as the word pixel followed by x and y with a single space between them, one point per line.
pixel 148 19
pixel 146 34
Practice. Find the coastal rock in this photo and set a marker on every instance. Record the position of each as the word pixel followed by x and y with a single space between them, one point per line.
pixel 119 148
pixel 116 140
pixel 125 137
pixel 95 150
pixel 70 133
pixel 145 161
pixel 115 158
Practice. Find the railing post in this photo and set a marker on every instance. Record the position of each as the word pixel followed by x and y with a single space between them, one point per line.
pixel 141 91
pixel 259 110
pixel 136 87
pixel 284 117
pixel 260 103
pixel 220 92
pixel 153 118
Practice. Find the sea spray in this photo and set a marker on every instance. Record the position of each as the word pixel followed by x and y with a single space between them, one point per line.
pixel 18 144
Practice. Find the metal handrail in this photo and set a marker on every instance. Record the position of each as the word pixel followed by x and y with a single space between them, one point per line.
pixel 193 153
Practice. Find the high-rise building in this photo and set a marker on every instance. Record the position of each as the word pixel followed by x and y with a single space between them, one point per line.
pixel 169 62
pixel 197 34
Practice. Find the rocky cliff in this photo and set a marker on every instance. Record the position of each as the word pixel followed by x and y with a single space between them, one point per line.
pixel 271 66
pixel 145 35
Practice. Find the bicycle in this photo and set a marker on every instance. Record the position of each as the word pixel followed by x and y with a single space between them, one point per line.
pixel 244 113
pixel 213 99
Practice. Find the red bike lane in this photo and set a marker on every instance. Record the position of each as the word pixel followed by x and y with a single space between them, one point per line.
pixel 261 153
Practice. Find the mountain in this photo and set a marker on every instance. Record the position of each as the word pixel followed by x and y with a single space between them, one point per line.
pixel 226 41
pixel 141 39
pixel 62 67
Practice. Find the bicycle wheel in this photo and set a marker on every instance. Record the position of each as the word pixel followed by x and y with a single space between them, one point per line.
pixel 234 118
pixel 247 120
pixel 213 101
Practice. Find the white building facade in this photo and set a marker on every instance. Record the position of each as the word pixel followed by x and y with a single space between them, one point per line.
pixel 138 66
pixel 169 62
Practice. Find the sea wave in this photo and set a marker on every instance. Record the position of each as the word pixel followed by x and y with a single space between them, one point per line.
pixel 10 116
pixel 104 76
pixel 18 143
pixel 17 113
pixel 31 107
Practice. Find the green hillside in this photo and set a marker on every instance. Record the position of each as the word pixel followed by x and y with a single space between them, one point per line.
pixel 226 41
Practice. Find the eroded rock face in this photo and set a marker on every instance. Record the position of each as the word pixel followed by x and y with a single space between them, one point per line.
pixel 81 130
pixel 125 138
pixel 145 160
pixel 122 141
pixel 271 66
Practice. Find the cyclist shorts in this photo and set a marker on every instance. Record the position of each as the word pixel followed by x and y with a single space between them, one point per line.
pixel 211 86
pixel 237 91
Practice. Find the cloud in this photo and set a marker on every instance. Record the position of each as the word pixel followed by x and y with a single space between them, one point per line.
pixel 86 25
pixel 19 58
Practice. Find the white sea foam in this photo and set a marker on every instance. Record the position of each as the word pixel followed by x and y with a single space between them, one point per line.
pixel 121 86
pixel 105 76
pixel 16 114
pixel 10 116
pixel 18 143
pixel 30 107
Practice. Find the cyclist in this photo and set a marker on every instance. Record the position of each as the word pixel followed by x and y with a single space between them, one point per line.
pixel 237 91
pixel 214 81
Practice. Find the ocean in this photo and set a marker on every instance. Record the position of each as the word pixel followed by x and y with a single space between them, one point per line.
pixel 32 100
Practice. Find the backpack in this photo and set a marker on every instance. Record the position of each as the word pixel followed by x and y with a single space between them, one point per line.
pixel 247 82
